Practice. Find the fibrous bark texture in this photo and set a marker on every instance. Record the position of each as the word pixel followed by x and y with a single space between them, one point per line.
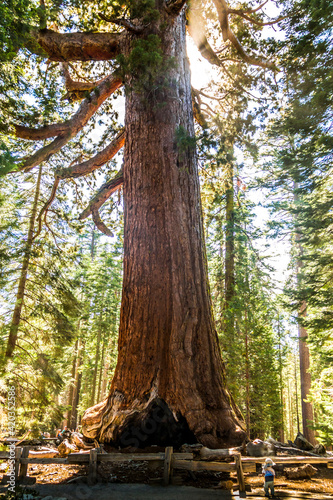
pixel 169 384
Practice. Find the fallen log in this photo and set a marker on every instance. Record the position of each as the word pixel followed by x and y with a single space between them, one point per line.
pixel 302 443
pixel 295 451
pixel 270 448
pixel 305 472
pixel 44 454
pixel 200 452
pixel 259 448
pixel 65 448
pixel 225 485
pixel 79 442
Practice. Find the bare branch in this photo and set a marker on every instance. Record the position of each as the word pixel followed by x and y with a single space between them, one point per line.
pixel 72 85
pixel 103 194
pixel 39 134
pixel 45 208
pixel 86 110
pixel 252 11
pixel 100 224
pixel 255 21
pixel 80 46
pixel 219 99
pixel 197 113
pixel 246 57
pixel 174 6
pixel 88 107
pixel 44 153
pixel 126 23
pixel 97 161
pixel 197 31
pixel 223 11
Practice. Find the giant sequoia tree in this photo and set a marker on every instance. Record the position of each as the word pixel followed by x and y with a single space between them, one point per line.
pixel 169 384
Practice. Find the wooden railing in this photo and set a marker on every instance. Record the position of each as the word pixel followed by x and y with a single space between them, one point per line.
pixel 169 459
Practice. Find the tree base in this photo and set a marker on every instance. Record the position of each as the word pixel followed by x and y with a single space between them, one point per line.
pixel 149 422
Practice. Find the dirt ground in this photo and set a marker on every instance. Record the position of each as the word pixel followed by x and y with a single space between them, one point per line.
pixel 321 483
pixel 66 481
pixel 137 474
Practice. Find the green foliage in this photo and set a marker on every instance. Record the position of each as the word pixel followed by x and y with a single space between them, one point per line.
pixel 145 67
pixel 184 140
pixel 17 16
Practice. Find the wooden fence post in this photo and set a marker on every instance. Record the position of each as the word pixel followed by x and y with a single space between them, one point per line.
pixel 18 452
pixel 92 473
pixel 24 467
pixel 167 465
pixel 240 474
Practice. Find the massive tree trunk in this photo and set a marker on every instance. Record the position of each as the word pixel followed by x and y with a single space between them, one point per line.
pixel 169 384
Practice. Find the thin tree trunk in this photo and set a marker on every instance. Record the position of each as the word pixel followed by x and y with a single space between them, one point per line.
pixel 77 383
pixel 93 244
pixel 104 380
pixel 281 431
pixel 96 362
pixel 15 323
pixel 304 353
pixel 247 377
pixel 230 251
pixel 101 368
pixel 71 387
pixel 169 384
pixel 296 399
pixel 291 413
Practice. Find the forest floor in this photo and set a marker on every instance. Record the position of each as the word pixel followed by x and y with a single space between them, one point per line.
pixel 138 480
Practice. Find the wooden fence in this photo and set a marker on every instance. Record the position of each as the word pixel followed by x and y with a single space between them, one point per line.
pixel 168 459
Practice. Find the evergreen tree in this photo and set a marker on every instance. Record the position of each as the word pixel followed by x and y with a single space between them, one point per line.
pixel 166 312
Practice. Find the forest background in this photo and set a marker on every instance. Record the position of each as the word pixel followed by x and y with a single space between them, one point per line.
pixel 263 132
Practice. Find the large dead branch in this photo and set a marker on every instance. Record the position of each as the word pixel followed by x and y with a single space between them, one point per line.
pixel 73 86
pixel 103 194
pixel 38 134
pixel 70 128
pixel 227 33
pixel 196 28
pixel 86 110
pixel 81 46
pixel 46 206
pixel 255 21
pixel 126 23
pixel 97 161
pixel 100 224
pixel 44 153
pixel 197 112
pixel 252 11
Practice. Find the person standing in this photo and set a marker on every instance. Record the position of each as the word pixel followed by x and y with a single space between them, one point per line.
pixel 269 474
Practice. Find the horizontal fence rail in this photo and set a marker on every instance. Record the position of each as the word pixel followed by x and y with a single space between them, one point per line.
pixel 169 460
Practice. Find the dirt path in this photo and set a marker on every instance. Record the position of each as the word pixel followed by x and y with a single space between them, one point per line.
pixel 145 492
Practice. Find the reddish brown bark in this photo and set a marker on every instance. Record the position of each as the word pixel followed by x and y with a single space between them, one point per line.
pixel 66 130
pixel 304 353
pixel 169 384
pixel 103 194
pixel 229 250
pixel 304 360
pixel 95 162
pixel 80 46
